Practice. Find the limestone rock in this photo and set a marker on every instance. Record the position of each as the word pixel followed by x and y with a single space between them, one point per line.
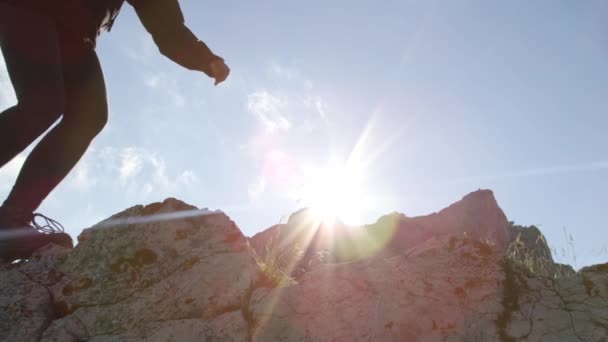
pixel 163 262
pixel 171 272
pixel 25 302
pixel 476 216
pixel 422 295
pixel 448 289
pixel 528 246
pixel 25 307
pixel 227 327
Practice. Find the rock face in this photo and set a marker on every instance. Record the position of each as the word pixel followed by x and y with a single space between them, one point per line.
pixel 171 272
pixel 476 216
pixel 447 289
pixel 155 272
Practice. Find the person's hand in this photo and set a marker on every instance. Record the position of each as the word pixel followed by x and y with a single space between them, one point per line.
pixel 219 70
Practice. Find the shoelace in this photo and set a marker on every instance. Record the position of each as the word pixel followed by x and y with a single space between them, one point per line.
pixel 49 225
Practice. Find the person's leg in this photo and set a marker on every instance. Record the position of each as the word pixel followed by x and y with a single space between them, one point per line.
pixel 30 47
pixel 85 115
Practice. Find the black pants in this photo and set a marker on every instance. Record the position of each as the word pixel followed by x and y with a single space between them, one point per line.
pixel 56 75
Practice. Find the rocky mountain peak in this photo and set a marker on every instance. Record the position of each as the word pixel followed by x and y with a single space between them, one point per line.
pixel 171 272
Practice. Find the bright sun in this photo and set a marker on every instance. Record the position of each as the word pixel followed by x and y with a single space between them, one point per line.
pixel 335 193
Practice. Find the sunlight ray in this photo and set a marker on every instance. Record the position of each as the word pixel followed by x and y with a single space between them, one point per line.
pixel 163 217
pixel 309 226
pixel 541 171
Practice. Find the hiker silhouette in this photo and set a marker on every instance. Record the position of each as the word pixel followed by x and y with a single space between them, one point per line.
pixel 49 50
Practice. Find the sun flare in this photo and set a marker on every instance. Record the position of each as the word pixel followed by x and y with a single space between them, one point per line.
pixel 335 193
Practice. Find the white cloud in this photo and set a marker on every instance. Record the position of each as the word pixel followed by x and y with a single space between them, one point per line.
pixel 130 164
pixel 320 106
pixel 187 178
pixel 289 111
pixel 141 52
pixel 152 81
pixel 160 78
pixel 7 94
pixel 82 178
pixel 284 72
pixel 140 172
pixel 160 170
pixel 269 110
pixel 167 85
pixel 147 189
pixel 291 75
pixel 292 102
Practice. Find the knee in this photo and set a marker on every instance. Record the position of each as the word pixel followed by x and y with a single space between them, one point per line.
pixel 90 121
pixel 42 111
pixel 94 122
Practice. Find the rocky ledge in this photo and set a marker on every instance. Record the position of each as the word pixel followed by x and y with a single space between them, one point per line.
pixel 171 272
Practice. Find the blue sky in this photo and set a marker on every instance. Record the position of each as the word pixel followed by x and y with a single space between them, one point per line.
pixel 429 100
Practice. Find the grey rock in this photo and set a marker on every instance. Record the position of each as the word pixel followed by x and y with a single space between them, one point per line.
pixel 528 247
pixel 163 262
pixel 25 304
pixel 425 294
pixel 447 289
pixel 171 272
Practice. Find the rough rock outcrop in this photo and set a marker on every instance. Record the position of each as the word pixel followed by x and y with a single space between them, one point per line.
pixel 476 216
pixel 529 246
pixel 26 307
pixel 171 272
pixel 447 289
pixel 148 272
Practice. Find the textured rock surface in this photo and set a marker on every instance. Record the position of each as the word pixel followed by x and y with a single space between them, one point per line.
pixel 448 289
pixel 143 272
pixel 427 293
pixel 528 244
pixel 171 272
pixel 476 216
pixel 25 302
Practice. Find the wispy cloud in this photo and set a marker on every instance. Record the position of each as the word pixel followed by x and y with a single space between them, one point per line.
pixel 133 171
pixel 187 178
pixel 269 110
pixel 320 106
pixel 166 84
pixel 141 52
pixel 82 178
pixel 290 103
pixel 152 81
pixel 130 163
pixel 290 74
pixel 288 110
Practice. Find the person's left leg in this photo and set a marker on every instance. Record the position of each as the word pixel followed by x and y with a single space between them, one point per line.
pixel 85 115
pixel 56 154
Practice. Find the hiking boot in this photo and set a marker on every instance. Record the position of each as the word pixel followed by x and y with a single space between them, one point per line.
pixel 21 234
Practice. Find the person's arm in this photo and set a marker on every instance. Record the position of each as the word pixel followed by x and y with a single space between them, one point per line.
pixel 164 20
